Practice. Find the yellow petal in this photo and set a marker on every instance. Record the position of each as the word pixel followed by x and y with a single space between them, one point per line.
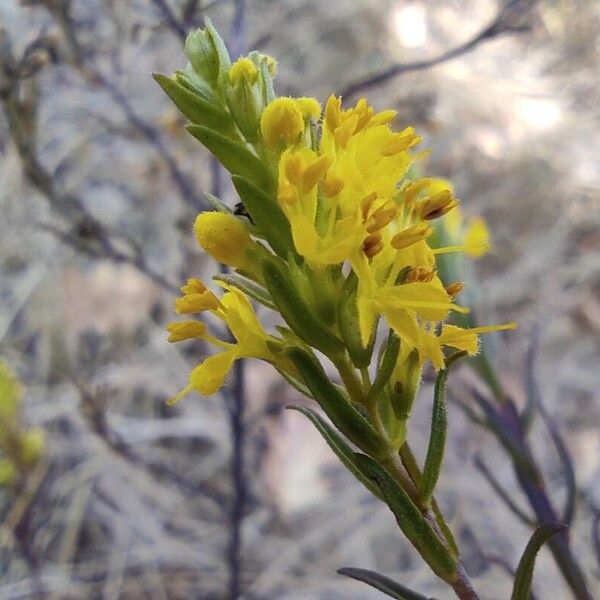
pixel 210 374
pixel 185 330
pixel 477 238
pixel 428 300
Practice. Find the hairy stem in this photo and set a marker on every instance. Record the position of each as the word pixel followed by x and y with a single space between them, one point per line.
pixel 461 585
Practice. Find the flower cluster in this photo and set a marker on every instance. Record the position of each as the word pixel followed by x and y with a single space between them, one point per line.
pixel 20 448
pixel 333 232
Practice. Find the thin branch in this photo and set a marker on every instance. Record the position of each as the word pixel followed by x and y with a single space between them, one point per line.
pixel 507 21
pixel 171 20
pixel 93 408
pixel 535 402
pixel 237 400
pixel 59 10
pixel 502 493
pixel 84 232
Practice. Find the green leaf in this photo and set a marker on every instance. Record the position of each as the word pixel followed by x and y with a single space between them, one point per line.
pixel 266 215
pixel 411 521
pixel 412 468
pixel 339 446
pixel 524 574
pixel 235 157
pixel 343 415
pixel 198 110
pixel 437 437
pixel 295 383
pixel 350 330
pixel 217 203
pixel 388 362
pixel 219 44
pixel 382 583
pixel 251 289
pixel 294 309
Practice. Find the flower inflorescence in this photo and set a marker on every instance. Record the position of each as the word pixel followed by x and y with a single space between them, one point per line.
pixel 335 235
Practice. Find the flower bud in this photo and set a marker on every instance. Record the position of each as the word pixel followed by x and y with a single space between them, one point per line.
pixel 281 123
pixel 223 237
pixel 207 53
pixel 244 97
pixel 185 330
pixel 406 380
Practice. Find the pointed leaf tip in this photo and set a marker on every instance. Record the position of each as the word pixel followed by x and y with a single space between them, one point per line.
pixel 384 584
pixel 524 574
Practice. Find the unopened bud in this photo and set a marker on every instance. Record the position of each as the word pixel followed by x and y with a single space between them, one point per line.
pixel 244 97
pixel 207 53
pixel 185 330
pixel 281 123
pixel 223 237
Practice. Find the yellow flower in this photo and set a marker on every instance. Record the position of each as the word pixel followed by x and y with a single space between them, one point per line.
pixel 309 107
pixel 470 236
pixel 250 341
pixel 223 237
pixel 196 298
pixel 411 235
pixel 477 238
pixel 185 330
pixel 241 70
pixel 281 123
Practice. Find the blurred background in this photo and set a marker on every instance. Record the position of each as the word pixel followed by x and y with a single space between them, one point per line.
pixel 232 496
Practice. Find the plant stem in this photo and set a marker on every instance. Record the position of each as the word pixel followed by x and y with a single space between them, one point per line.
pixel 461 585
pixel 351 381
pixel 234 551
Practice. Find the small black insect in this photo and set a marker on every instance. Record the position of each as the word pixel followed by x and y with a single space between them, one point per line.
pixel 240 210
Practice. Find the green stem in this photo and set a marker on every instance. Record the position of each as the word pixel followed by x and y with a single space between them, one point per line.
pixel 350 379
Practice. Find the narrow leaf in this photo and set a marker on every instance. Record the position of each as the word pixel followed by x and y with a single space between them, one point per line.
pixel 295 383
pixel 410 464
pixel 382 583
pixel 340 447
pixel 250 288
pixel 411 521
pixel 350 330
pixel 524 574
pixel 235 157
pixel 437 437
pixel 266 215
pixel 502 493
pixel 297 313
pixel 219 44
pixel 198 110
pixel 217 203
pixel 388 362
pixel 345 417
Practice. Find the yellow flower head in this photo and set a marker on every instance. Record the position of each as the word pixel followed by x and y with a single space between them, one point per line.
pixel 196 298
pixel 282 123
pixel 242 70
pixel 470 236
pixel 185 330
pixel 223 237
pixel 250 342
pixel 309 107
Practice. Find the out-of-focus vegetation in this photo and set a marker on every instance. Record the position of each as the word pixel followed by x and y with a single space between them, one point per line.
pixel 100 187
